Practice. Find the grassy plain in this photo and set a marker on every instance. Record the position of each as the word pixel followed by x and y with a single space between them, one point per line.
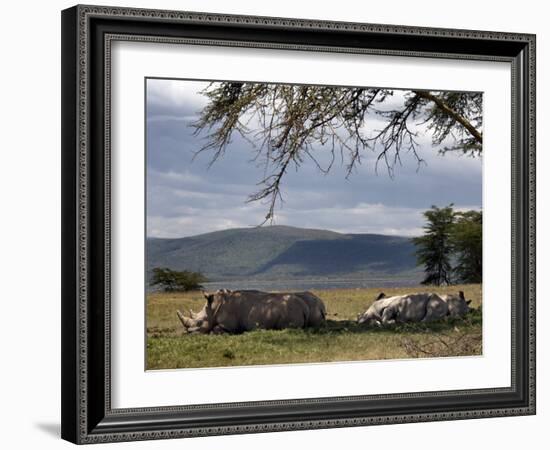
pixel 341 339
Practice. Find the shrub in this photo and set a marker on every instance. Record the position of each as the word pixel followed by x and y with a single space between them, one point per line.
pixel 172 280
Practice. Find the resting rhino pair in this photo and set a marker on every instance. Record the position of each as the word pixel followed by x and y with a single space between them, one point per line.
pixel 246 310
pixel 424 307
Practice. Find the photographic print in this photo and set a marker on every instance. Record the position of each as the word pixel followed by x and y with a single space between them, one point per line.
pixel 292 224
pixel 280 204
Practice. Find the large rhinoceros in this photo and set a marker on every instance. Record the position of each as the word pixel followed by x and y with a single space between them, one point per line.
pixel 423 307
pixel 238 311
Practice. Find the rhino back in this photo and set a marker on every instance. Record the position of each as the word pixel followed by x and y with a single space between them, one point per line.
pixel 412 307
pixel 436 308
pixel 271 311
pixel 316 309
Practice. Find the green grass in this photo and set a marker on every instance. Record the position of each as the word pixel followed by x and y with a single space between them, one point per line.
pixel 341 339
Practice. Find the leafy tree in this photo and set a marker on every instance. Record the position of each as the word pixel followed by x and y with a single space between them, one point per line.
pixel 467 246
pixel 435 248
pixel 290 123
pixel 171 280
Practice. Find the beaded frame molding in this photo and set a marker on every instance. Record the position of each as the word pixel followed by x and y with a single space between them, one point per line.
pixel 87 35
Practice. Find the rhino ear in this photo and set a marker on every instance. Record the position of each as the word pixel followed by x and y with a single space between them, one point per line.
pixel 381 295
pixel 461 294
pixel 206 295
pixel 468 302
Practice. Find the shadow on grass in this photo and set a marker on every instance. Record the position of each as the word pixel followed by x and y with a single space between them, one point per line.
pixel 335 327
pixel 351 326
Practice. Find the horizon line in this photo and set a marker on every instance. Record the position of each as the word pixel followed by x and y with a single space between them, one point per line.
pixel 252 227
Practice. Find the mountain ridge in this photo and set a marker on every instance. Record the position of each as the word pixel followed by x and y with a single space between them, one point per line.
pixel 282 252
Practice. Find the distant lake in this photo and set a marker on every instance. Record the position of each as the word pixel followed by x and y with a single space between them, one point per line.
pixel 309 284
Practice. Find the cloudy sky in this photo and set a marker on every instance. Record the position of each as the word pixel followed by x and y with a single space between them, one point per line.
pixel 185 197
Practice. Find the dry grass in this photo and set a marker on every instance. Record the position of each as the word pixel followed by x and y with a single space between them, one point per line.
pixel 340 340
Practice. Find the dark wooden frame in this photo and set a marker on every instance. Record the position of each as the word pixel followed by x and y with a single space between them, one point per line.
pixel 87 32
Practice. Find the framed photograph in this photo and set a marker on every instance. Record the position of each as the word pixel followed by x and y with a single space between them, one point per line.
pixel 268 222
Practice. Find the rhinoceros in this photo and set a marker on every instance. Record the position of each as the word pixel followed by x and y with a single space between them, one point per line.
pixel 422 307
pixel 238 311
pixel 317 309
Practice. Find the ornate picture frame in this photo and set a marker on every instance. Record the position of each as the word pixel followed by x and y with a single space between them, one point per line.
pixel 88 33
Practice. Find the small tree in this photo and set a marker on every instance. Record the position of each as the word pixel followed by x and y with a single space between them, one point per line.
pixel 435 248
pixel 172 280
pixel 467 246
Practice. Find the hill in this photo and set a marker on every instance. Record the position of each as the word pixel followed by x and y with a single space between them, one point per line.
pixel 282 252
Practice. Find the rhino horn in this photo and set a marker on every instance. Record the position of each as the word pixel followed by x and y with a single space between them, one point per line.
pixel 185 321
pixel 192 314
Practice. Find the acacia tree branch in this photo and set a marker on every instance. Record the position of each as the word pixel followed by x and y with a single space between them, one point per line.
pixel 286 123
pixel 478 136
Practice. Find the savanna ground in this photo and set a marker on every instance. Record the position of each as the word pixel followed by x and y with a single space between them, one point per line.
pixel 341 339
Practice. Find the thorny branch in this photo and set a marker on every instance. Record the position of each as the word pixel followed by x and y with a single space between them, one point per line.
pixel 288 123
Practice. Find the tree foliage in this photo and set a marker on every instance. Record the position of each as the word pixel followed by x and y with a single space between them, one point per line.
pixel 467 246
pixel 288 124
pixel 171 280
pixel 435 247
pixel 451 248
